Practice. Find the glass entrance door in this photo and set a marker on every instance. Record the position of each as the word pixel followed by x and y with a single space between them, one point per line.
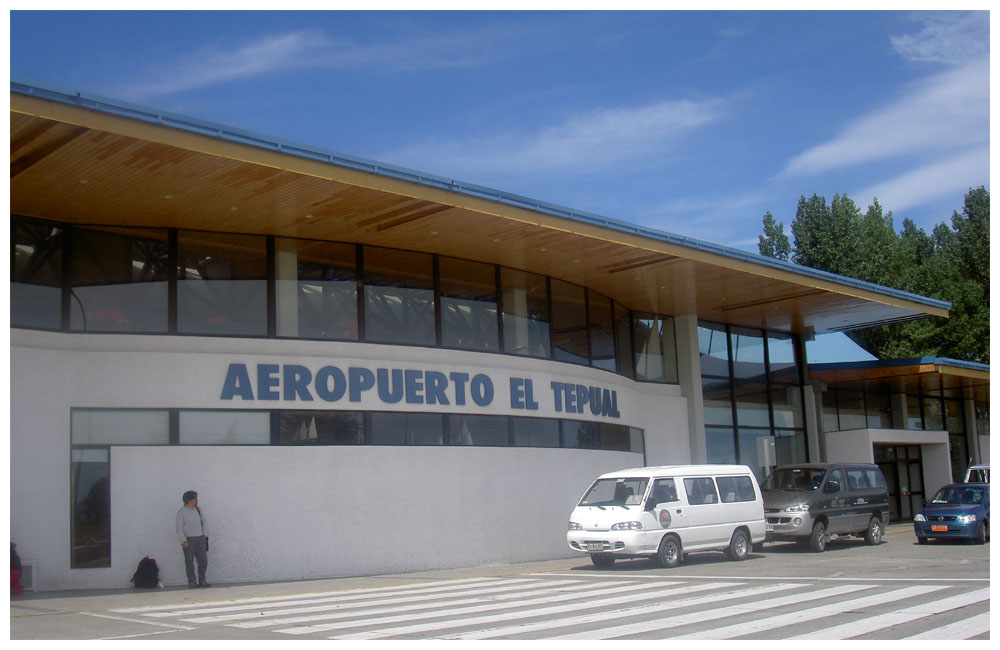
pixel 903 469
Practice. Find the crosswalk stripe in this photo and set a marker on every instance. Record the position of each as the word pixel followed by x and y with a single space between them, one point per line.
pixel 801 616
pixel 265 599
pixel 373 598
pixel 560 594
pixel 964 629
pixel 543 611
pixel 872 623
pixel 711 614
pixel 439 598
pixel 619 614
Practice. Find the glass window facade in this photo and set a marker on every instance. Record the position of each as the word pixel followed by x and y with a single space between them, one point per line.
pixel 221 284
pixel 399 296
pixel 316 289
pixel 751 389
pixel 36 274
pixel 525 313
pixel 469 315
pixel 142 280
pixel 119 281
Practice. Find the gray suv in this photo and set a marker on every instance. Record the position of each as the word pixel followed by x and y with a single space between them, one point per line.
pixel 811 503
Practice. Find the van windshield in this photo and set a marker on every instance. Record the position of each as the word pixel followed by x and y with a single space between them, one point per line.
pixel 615 492
pixel 795 478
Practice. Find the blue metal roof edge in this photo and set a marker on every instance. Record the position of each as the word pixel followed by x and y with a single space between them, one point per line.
pixel 911 361
pixel 222 132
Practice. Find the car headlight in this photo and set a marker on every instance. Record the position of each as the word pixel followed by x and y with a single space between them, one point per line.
pixel 627 525
pixel 966 519
pixel 920 517
pixel 798 508
pixel 575 526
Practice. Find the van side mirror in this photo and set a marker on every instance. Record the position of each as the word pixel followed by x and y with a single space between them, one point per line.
pixel 831 486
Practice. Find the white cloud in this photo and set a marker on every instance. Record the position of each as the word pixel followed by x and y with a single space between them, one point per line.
pixel 953 37
pixel 944 112
pixel 589 141
pixel 313 49
pixel 213 65
pixel 949 177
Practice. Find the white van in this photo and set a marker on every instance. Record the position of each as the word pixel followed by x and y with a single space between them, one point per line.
pixel 666 512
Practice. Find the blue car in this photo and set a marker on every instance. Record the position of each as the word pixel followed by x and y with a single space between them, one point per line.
pixel 959 510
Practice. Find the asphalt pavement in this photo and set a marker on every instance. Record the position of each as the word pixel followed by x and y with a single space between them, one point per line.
pixel 88 614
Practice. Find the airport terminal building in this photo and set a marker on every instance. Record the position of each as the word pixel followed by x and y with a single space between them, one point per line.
pixel 365 369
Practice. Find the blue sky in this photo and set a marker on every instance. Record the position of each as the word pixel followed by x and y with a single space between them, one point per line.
pixel 694 123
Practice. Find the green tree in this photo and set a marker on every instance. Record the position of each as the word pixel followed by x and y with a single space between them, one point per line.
pixel 952 263
pixel 774 242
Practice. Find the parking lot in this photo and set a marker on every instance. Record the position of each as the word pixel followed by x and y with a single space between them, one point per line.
pixel 896 590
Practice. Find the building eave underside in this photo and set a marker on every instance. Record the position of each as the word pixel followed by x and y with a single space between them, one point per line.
pixel 86 166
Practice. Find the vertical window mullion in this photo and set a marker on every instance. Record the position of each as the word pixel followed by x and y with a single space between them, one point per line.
pixel 436 280
pixel 173 271
pixel 272 294
pixel 499 296
pixel 548 296
pixel 360 265
pixel 67 278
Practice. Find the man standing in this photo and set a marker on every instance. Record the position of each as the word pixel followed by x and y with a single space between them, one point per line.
pixel 190 526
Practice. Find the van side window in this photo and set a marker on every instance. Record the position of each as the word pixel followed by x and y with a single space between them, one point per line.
pixel 700 490
pixel 875 478
pixel 664 491
pixel 736 488
pixel 857 479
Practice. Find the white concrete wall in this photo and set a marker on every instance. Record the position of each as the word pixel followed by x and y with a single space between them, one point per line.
pixel 856 446
pixel 287 512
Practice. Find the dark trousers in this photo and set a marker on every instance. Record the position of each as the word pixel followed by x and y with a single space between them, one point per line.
pixel 196 549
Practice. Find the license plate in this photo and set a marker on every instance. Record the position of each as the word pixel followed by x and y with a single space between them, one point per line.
pixel 939 528
pixel 769 527
pixel 595 547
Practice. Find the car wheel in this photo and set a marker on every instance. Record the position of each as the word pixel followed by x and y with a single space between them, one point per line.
pixel 817 541
pixel 739 546
pixel 873 536
pixel 983 533
pixel 922 540
pixel 602 561
pixel 669 553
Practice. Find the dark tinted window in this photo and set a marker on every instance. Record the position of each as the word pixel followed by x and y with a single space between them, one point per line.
pixel 36 280
pixel 221 284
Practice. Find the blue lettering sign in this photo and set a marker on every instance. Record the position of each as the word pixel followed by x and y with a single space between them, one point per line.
pixel 323 389
pixel 237 383
pixel 359 380
pixel 396 393
pixel 296 380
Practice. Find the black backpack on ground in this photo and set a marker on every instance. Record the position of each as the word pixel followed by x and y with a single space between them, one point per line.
pixel 147 574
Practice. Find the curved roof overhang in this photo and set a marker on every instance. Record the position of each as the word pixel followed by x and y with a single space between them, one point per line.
pixel 90 160
pixel 928 375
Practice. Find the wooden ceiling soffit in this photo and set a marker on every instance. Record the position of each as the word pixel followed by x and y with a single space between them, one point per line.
pixel 769 301
pixel 22 161
pixel 638 262
pixel 402 215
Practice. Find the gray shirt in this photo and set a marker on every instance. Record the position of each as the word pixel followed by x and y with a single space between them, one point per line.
pixel 189 523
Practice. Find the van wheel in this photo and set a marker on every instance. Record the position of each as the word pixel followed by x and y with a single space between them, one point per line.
pixel 817 541
pixel 873 536
pixel 739 546
pixel 602 561
pixel 669 554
